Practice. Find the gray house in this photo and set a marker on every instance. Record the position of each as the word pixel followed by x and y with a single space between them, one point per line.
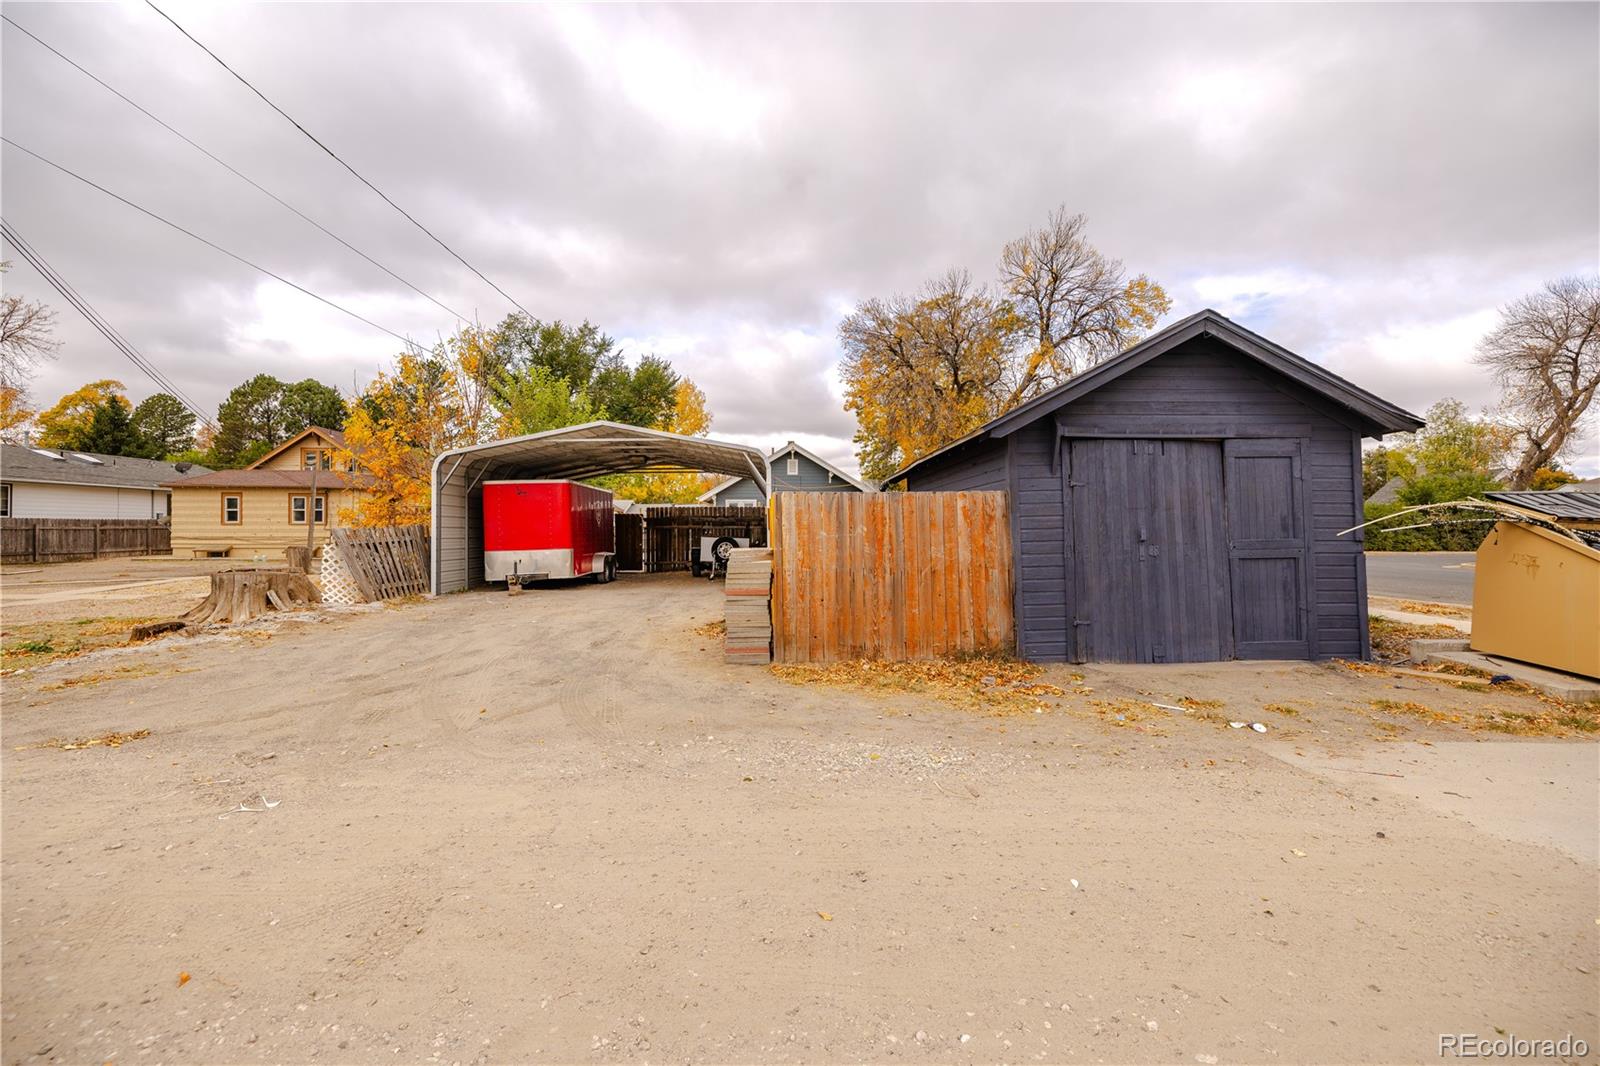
pixel 793 470
pixel 1181 502
pixel 59 483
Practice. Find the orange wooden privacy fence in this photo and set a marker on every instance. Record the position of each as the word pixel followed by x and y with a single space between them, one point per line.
pixel 889 575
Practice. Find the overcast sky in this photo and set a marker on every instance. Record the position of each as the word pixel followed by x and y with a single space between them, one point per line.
pixel 719 185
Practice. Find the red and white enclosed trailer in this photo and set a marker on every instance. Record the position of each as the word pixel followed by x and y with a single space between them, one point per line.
pixel 547 531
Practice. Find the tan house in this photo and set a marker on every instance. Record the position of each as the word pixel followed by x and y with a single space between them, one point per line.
pixel 264 508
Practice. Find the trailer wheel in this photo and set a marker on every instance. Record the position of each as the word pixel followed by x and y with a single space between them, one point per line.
pixel 608 572
pixel 721 550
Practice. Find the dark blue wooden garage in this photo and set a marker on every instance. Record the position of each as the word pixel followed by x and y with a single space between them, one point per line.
pixel 1182 501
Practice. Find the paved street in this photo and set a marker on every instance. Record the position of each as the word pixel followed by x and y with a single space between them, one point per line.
pixel 1432 577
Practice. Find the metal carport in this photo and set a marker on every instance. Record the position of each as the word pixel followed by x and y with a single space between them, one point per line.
pixel 575 452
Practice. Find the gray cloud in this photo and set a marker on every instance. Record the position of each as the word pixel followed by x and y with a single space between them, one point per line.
pixel 1364 184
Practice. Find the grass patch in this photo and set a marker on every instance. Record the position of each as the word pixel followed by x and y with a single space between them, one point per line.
pixel 996 684
pixel 37 643
pixel 1442 610
pixel 1415 710
pixel 1283 709
pixel 1391 640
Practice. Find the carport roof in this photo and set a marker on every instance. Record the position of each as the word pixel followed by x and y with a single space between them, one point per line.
pixel 597 448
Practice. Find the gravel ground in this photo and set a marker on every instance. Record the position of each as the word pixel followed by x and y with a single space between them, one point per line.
pixel 557 827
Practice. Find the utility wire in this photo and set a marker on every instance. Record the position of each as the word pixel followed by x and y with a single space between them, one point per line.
pixel 336 157
pixel 71 294
pixel 138 107
pixel 98 321
pixel 407 341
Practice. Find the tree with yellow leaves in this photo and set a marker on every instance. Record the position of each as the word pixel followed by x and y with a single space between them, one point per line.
pixel 69 418
pixel 921 372
pixel 689 418
pixel 15 414
pixel 428 403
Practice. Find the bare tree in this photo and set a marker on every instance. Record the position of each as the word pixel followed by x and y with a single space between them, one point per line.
pixel 25 340
pixel 1546 356
pixel 1079 305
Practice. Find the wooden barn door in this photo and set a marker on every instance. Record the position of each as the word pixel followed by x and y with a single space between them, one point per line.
pixel 1150 554
pixel 1267 549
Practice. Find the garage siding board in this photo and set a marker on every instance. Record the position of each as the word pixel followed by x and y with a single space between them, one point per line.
pixel 1043 629
pixel 1305 600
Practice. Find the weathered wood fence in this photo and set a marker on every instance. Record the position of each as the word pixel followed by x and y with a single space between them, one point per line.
pixel 670 533
pixel 58 540
pixel 890 575
pixel 384 561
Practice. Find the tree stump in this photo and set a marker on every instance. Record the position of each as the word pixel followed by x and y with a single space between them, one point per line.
pixel 299 558
pixel 240 595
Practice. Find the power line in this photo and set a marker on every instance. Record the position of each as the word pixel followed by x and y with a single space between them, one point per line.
pixel 169 128
pixel 335 156
pixel 407 341
pixel 98 321
pixel 59 282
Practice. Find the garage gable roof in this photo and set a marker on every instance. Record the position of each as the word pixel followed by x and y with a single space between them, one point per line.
pixel 1378 416
pixel 596 448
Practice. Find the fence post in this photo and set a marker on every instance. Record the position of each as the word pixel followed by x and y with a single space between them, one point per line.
pixel 35 541
pixel 95 541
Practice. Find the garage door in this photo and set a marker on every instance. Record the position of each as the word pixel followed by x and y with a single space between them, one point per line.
pixel 1188 551
pixel 1150 551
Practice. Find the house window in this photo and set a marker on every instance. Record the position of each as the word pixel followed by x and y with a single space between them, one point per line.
pixel 794 465
pixel 5 501
pixel 310 457
pixel 232 510
pixel 297 510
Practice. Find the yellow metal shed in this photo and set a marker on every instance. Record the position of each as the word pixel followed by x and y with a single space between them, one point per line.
pixel 1536 597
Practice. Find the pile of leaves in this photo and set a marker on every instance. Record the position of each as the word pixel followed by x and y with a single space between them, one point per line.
pixel 995 684
pixel 104 740
pixel 717 629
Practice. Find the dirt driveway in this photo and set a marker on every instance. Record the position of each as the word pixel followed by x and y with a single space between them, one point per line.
pixel 555 827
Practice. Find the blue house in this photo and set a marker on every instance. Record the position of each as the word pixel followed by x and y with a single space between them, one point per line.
pixel 793 470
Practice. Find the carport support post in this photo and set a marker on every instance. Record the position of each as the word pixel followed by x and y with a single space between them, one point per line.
pixel 436 570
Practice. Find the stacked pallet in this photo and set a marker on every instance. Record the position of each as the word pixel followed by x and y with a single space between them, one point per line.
pixel 748 610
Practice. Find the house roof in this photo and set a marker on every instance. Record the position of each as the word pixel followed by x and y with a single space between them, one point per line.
pixel 1388 492
pixel 785 450
pixel 1590 485
pixel 1378 416
pixel 57 466
pixel 1555 503
pixel 334 435
pixel 253 478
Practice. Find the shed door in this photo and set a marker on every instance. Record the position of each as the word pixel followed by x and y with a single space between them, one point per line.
pixel 1267 549
pixel 1149 551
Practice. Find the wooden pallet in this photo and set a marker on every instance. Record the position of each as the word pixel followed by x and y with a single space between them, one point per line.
pixel 747 609
pixel 385 562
